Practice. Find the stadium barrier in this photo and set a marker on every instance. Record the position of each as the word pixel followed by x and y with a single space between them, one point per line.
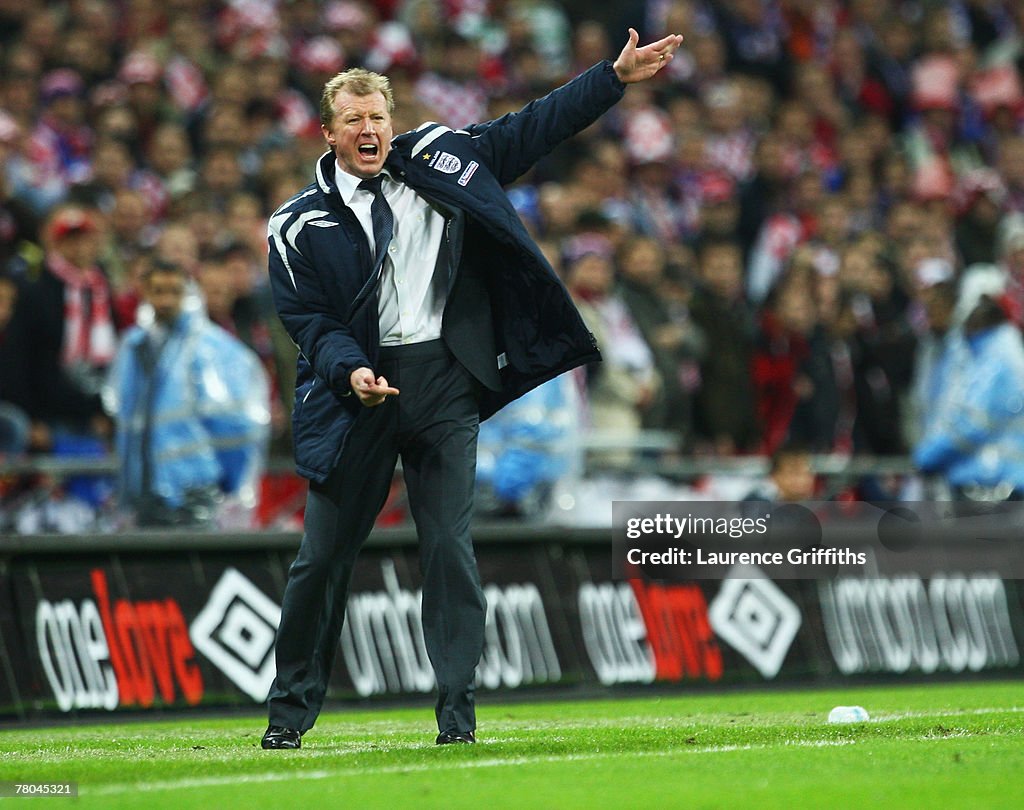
pixel 653 445
pixel 149 621
pixel 42 493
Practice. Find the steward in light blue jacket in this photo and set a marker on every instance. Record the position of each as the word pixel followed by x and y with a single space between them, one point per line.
pixel 190 402
pixel 976 439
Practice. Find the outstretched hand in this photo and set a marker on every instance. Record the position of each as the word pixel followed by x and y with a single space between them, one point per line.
pixel 636 64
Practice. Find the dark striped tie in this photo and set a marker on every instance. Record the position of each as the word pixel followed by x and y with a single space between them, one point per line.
pixel 383 219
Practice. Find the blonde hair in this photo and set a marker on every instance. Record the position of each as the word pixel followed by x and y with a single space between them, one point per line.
pixel 357 81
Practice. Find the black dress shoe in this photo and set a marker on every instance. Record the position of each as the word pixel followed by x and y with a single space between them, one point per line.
pixel 281 737
pixel 449 737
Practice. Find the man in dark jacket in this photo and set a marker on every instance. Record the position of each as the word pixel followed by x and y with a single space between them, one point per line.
pixel 404 267
pixel 65 327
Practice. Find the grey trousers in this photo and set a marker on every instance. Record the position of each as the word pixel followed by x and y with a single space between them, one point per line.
pixel 432 424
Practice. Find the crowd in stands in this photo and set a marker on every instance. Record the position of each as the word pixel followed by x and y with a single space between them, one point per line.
pixel 770 241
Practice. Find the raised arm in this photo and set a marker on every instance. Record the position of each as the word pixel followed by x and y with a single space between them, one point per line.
pixel 512 144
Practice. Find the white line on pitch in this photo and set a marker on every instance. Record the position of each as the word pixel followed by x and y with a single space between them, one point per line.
pixel 220 781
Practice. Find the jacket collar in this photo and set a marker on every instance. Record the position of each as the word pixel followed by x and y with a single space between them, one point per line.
pixel 325 172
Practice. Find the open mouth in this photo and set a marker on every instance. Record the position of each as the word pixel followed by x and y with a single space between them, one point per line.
pixel 368 150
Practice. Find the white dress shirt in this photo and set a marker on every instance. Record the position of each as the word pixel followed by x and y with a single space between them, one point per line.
pixel 411 299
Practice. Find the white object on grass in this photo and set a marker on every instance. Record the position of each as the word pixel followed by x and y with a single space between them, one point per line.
pixel 848 714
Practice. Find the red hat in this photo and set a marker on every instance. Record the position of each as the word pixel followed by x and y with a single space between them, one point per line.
pixel 72 221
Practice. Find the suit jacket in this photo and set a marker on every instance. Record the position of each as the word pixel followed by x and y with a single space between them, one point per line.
pixel 508 317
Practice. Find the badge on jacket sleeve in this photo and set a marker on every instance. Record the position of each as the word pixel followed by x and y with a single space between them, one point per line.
pixel 446 162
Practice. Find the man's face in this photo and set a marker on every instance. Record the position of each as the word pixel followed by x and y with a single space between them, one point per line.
pixel 218 290
pixel 645 262
pixel 360 133
pixel 169 150
pixel 592 274
pixel 79 247
pixel 165 292
pixel 794 479
pixel 722 270
pixel 938 308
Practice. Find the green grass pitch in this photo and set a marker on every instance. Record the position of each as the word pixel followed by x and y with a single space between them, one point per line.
pixel 925 746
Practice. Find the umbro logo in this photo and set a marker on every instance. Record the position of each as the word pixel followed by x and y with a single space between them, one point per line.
pixel 323 223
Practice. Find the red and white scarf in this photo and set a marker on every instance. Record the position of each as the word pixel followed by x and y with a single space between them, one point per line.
pixel 89 337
